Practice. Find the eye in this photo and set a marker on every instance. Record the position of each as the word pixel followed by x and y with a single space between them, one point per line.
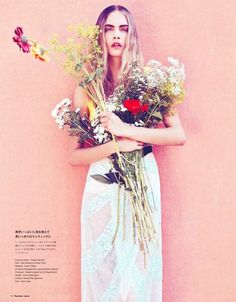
pixel 124 28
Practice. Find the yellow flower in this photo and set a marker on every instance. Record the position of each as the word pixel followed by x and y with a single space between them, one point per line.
pixel 147 69
pixel 91 109
pixel 39 52
pixel 54 39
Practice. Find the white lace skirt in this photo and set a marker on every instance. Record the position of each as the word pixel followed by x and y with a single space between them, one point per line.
pixel 116 273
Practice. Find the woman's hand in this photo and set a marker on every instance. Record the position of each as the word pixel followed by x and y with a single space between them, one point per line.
pixel 112 123
pixel 127 144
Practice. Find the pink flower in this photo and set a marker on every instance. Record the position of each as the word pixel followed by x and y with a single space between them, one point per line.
pixel 21 40
pixel 19 31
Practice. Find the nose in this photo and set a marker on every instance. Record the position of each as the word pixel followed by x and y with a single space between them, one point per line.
pixel 116 34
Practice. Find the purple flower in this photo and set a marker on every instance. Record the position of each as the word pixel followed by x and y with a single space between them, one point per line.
pixel 21 40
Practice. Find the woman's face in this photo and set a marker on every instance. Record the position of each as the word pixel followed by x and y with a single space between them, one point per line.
pixel 116 30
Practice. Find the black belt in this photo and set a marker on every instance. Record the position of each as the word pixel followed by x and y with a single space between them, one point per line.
pixel 147 150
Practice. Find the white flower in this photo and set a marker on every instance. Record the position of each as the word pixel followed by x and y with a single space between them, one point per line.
pixel 173 61
pixel 99 129
pixel 139 123
pixel 54 113
pixel 60 121
pixel 64 111
pixel 61 126
pixel 154 63
pixel 65 102
pixel 100 137
pixel 110 107
pixel 122 108
pixel 182 72
pixel 176 90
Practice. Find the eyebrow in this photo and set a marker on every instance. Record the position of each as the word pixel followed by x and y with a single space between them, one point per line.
pixel 123 25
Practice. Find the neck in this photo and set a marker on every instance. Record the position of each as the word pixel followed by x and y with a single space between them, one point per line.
pixel 114 64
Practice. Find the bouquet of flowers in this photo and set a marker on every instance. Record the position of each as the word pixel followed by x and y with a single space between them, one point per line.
pixel 143 97
pixel 141 100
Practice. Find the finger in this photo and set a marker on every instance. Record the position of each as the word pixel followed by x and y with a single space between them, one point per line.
pixel 105 124
pixel 103 114
pixel 104 119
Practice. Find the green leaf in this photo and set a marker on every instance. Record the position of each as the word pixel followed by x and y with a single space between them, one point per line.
pixel 86 79
pixel 157 114
pixel 101 178
pixel 145 188
pixel 82 84
pixel 78 67
pixel 99 71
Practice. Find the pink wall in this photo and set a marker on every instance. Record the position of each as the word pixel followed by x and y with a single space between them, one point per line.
pixel 39 189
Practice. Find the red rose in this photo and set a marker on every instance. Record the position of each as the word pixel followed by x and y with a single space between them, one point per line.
pixel 144 108
pixel 133 105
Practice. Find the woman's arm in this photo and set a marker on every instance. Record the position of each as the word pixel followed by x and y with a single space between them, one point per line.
pixel 173 134
pixel 83 156
pixel 79 155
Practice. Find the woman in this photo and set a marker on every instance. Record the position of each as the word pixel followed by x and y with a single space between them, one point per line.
pixel 116 272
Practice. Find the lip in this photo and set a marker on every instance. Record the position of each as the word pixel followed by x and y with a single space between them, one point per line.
pixel 116 45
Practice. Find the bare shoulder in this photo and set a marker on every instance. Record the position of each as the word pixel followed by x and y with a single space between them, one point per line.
pixel 80 98
pixel 171 120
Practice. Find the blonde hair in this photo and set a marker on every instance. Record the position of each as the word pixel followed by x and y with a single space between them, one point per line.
pixel 131 53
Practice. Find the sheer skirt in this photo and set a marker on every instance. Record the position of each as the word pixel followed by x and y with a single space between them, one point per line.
pixel 116 272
